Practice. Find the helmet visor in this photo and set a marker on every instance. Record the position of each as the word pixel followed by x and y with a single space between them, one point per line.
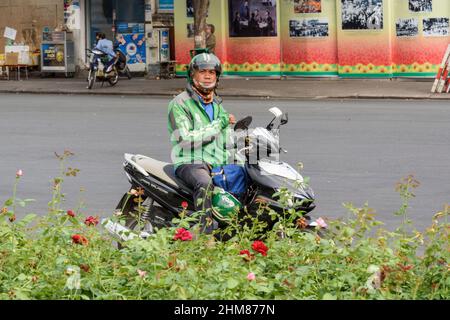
pixel 204 65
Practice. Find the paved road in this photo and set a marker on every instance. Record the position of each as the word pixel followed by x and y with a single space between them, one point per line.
pixel 353 151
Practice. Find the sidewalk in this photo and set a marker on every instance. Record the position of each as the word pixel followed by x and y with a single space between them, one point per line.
pixel 288 88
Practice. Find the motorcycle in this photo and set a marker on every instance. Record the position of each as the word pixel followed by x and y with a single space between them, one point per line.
pixel 97 62
pixel 165 196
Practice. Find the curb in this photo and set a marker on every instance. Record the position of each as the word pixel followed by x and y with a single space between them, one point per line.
pixel 230 95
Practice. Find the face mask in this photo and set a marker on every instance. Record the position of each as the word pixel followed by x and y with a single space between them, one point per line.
pixel 203 87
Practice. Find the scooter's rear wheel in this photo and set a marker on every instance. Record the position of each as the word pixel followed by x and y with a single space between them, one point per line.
pixel 115 78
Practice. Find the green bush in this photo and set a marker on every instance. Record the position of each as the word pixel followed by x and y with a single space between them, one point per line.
pixel 65 255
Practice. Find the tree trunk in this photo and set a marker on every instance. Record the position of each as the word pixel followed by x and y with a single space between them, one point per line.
pixel 200 12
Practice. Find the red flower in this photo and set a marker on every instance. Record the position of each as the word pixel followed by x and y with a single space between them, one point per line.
pixel 70 213
pixel 184 205
pixel 183 235
pixel 405 267
pixel 85 267
pixel 260 247
pixel 80 239
pixel 91 221
pixel 242 252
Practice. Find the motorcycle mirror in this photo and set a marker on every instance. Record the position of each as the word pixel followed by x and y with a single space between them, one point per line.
pixel 243 123
pixel 284 119
pixel 276 112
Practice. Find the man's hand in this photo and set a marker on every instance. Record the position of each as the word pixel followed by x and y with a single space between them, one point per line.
pixel 232 119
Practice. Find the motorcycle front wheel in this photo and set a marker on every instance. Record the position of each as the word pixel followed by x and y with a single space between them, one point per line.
pixel 91 78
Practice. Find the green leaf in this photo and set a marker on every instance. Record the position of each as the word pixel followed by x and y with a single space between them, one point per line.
pixel 329 296
pixel 22 277
pixel 21 295
pixel 8 202
pixel 27 219
pixel 232 283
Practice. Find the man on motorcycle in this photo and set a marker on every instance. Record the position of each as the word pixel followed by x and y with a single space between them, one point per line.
pixel 106 46
pixel 198 124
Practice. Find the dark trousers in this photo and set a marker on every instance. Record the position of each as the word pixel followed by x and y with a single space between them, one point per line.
pixel 198 178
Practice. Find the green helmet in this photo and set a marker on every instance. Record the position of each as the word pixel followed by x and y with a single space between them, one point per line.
pixel 204 61
pixel 224 205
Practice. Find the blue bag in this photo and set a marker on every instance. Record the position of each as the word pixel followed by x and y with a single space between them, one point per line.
pixel 232 179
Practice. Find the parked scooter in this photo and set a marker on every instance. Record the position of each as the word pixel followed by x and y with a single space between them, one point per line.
pixel 97 70
pixel 121 63
pixel 164 193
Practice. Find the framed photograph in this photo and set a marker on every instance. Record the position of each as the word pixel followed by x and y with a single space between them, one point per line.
pixel 309 28
pixel 307 6
pixel 407 27
pixel 189 8
pixel 252 18
pixel 435 27
pixel 362 14
pixel 421 5
pixel 190 30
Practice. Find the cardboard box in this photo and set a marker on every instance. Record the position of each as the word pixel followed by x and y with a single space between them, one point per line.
pixel 22 51
pixel 12 58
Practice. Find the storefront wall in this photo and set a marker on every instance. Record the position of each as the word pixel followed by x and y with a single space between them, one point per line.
pixel 29 18
pixel 323 38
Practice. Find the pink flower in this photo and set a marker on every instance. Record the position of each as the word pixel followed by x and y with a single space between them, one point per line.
pixel 321 223
pixel 141 273
pixel 19 173
pixel 183 235
pixel 251 276
pixel 70 213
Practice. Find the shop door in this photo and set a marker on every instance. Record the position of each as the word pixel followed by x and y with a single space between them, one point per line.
pixel 122 22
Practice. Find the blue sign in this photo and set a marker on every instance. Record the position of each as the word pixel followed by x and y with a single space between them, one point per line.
pixel 165 4
pixel 133 46
pixel 122 27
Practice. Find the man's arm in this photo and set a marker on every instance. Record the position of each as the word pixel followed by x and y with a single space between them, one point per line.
pixel 182 127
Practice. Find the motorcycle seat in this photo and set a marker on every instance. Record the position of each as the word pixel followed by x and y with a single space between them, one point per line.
pixel 164 171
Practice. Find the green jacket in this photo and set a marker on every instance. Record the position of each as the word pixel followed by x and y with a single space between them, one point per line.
pixel 194 137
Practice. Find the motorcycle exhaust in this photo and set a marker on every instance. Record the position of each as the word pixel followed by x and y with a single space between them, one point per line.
pixel 122 232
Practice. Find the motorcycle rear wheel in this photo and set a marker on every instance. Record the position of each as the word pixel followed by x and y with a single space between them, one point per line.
pixel 131 213
pixel 128 73
pixel 115 78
